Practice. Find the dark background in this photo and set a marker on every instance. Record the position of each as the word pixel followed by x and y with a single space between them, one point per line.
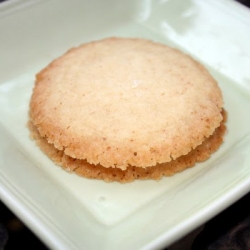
pixel 15 235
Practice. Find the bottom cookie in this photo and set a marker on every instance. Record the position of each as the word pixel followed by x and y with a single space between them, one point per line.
pixel 83 168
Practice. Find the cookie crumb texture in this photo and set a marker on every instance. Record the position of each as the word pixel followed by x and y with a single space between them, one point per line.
pixel 85 169
pixel 121 109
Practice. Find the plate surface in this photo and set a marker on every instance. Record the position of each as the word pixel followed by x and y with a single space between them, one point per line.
pixel 69 212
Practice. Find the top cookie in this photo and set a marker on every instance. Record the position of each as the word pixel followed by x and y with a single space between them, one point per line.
pixel 121 101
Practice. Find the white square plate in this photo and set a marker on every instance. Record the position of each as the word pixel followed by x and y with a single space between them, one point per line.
pixel 69 212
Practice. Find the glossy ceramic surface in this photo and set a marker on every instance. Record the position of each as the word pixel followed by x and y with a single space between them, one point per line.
pixel 69 212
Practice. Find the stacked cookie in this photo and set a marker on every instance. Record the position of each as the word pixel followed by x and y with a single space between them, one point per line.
pixel 121 109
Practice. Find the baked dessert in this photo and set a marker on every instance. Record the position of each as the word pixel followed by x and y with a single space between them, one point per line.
pixel 121 109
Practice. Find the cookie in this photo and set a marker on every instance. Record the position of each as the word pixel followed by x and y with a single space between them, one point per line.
pixel 127 108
